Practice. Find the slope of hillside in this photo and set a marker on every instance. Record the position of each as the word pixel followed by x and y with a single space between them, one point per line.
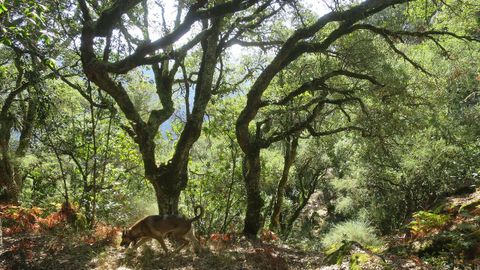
pixel 447 236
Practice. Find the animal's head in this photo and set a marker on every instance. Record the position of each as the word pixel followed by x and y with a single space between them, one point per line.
pixel 126 238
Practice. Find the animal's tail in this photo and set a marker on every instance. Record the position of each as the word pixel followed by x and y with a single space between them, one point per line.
pixel 199 215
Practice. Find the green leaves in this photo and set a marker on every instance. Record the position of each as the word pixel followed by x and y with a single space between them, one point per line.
pixel 3 9
pixel 24 22
pixel 45 39
pixel 50 63
pixel 426 221
pixel 6 41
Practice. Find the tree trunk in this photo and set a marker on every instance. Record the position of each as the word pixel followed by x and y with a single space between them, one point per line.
pixel 289 225
pixel 167 201
pixel 9 190
pixel 290 153
pixel 168 182
pixel 287 228
pixel 171 178
pixel 253 216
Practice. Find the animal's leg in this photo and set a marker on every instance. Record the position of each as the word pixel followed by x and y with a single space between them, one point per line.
pixel 191 238
pixel 139 243
pixel 182 245
pixel 162 242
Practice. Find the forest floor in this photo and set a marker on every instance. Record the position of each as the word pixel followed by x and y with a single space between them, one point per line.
pixel 445 237
pixel 63 249
pixel 54 251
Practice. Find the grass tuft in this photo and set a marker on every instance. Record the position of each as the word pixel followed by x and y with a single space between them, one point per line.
pixel 353 230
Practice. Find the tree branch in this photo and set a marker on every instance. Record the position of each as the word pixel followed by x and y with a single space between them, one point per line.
pixel 320 83
pixel 291 51
pixel 314 133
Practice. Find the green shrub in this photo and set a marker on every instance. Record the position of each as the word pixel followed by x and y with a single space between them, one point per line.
pixel 425 221
pixel 353 230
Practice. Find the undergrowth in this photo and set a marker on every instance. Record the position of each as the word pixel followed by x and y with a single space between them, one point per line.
pixel 353 230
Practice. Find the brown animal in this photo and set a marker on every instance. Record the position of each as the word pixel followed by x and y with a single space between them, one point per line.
pixel 158 227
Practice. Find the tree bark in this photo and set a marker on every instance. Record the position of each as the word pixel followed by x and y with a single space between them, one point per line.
pixel 11 180
pixel 10 191
pixel 289 158
pixel 168 184
pixel 253 216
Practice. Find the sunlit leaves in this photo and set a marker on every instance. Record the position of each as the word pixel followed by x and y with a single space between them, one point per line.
pixel 3 8
pixel 22 21
pixel 51 63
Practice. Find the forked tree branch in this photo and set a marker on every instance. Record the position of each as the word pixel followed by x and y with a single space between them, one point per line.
pixel 320 83
pixel 294 48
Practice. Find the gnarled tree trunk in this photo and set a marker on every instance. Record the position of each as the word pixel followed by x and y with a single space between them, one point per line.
pixel 294 46
pixel 289 158
pixel 9 188
pixel 11 180
pixel 253 216
pixel 168 185
pixel 171 178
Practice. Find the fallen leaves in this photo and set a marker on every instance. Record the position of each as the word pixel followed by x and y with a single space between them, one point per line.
pixel 19 219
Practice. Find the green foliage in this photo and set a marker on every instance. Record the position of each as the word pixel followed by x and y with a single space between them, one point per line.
pixel 357 260
pixel 345 206
pixel 425 221
pixel 29 18
pixel 358 256
pixel 450 247
pixel 353 230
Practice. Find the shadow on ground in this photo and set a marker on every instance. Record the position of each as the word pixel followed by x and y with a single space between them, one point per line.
pixel 48 251
pixel 240 256
pixel 27 251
